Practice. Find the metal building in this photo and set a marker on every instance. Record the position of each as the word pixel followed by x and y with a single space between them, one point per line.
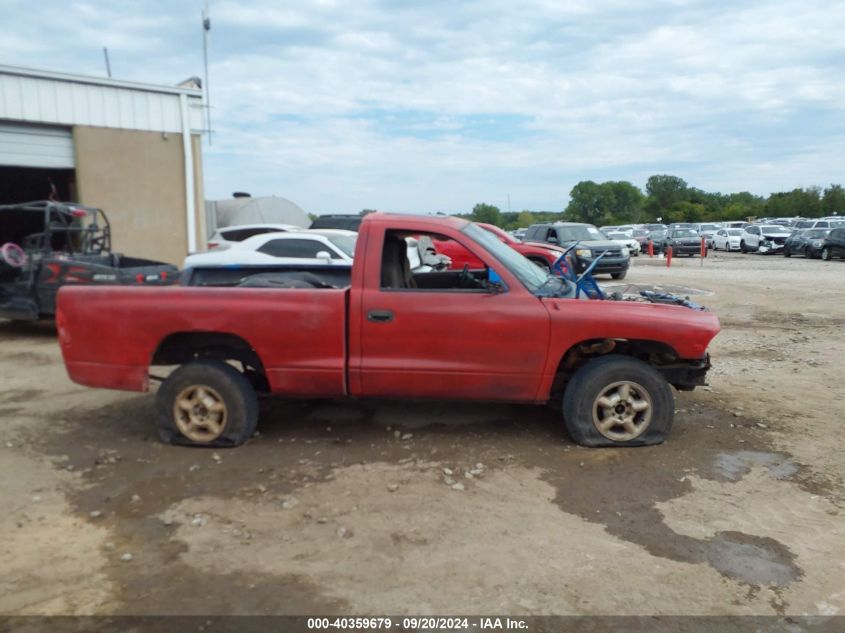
pixel 131 149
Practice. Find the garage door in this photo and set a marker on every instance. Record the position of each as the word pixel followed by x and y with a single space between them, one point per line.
pixel 35 146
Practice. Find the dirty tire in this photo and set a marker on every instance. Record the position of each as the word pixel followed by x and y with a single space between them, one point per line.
pixel 619 275
pixel 742 247
pixel 787 252
pixel 226 386
pixel 826 255
pixel 592 381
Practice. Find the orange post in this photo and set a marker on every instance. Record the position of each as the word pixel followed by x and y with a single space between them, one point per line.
pixel 668 256
pixel 703 250
pixel 650 248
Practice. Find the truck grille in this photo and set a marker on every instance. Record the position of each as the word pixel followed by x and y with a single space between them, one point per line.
pixel 611 252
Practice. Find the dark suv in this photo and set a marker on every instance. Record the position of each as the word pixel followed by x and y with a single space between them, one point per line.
pixel 834 245
pixel 591 244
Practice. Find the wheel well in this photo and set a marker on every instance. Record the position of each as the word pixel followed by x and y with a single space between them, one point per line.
pixel 652 352
pixel 184 347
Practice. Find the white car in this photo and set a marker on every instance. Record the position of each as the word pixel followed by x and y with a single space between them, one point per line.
pixel 307 247
pixel 727 239
pixel 707 230
pixel 763 238
pixel 819 224
pixel 225 237
pixel 623 239
pixel 320 246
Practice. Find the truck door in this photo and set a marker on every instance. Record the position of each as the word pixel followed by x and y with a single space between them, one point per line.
pixel 431 335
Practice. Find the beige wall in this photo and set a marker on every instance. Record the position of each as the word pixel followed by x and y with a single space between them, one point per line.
pixel 138 179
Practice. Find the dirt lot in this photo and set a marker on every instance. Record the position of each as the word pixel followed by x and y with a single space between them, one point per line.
pixel 342 507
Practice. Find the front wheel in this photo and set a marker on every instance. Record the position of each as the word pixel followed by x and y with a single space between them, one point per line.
pixel 618 401
pixel 206 403
pixel 619 275
pixel 786 252
pixel 742 247
pixel 826 254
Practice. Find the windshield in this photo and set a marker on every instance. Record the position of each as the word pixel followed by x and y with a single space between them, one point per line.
pixel 579 232
pixel 616 235
pixel 710 227
pixel 684 233
pixel 346 243
pixel 640 233
pixel 817 232
pixel 531 275
pixel 772 230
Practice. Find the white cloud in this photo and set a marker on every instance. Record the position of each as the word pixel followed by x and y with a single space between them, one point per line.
pixel 341 106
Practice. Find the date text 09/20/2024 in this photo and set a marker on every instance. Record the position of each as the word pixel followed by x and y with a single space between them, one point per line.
pixel 416 623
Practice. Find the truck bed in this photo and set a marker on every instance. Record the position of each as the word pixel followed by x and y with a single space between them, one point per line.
pixel 301 332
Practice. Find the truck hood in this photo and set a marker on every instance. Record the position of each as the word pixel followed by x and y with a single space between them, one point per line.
pixel 686 331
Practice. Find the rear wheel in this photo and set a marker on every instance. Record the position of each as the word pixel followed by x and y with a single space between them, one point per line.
pixel 742 247
pixel 206 403
pixel 786 252
pixel 619 275
pixel 618 401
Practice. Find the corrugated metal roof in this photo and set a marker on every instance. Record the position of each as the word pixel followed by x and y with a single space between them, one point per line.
pixel 58 98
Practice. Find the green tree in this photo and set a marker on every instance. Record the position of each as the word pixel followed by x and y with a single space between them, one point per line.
pixel 798 202
pixel 833 200
pixel 627 202
pixel 486 213
pixel 665 191
pixel 590 202
pixel 524 219
pixel 685 211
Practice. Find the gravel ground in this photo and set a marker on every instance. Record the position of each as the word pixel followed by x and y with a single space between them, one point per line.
pixel 391 508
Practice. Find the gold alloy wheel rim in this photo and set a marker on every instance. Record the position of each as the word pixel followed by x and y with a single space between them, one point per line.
pixel 200 413
pixel 622 411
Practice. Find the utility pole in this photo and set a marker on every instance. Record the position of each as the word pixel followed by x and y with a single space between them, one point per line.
pixel 206 27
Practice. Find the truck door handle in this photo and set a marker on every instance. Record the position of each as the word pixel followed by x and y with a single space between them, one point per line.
pixel 380 316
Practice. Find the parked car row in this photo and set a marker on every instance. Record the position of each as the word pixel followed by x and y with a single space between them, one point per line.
pixel 541 243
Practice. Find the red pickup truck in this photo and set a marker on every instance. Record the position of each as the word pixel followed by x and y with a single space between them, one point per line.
pixel 506 331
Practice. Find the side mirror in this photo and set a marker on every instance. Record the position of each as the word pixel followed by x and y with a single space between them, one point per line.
pixel 325 257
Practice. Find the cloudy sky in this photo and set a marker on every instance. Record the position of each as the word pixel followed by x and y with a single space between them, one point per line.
pixel 435 105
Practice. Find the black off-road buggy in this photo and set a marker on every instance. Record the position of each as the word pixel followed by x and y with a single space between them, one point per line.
pixel 45 245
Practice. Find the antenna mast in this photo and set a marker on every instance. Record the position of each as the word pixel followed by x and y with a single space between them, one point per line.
pixel 206 27
pixel 108 64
